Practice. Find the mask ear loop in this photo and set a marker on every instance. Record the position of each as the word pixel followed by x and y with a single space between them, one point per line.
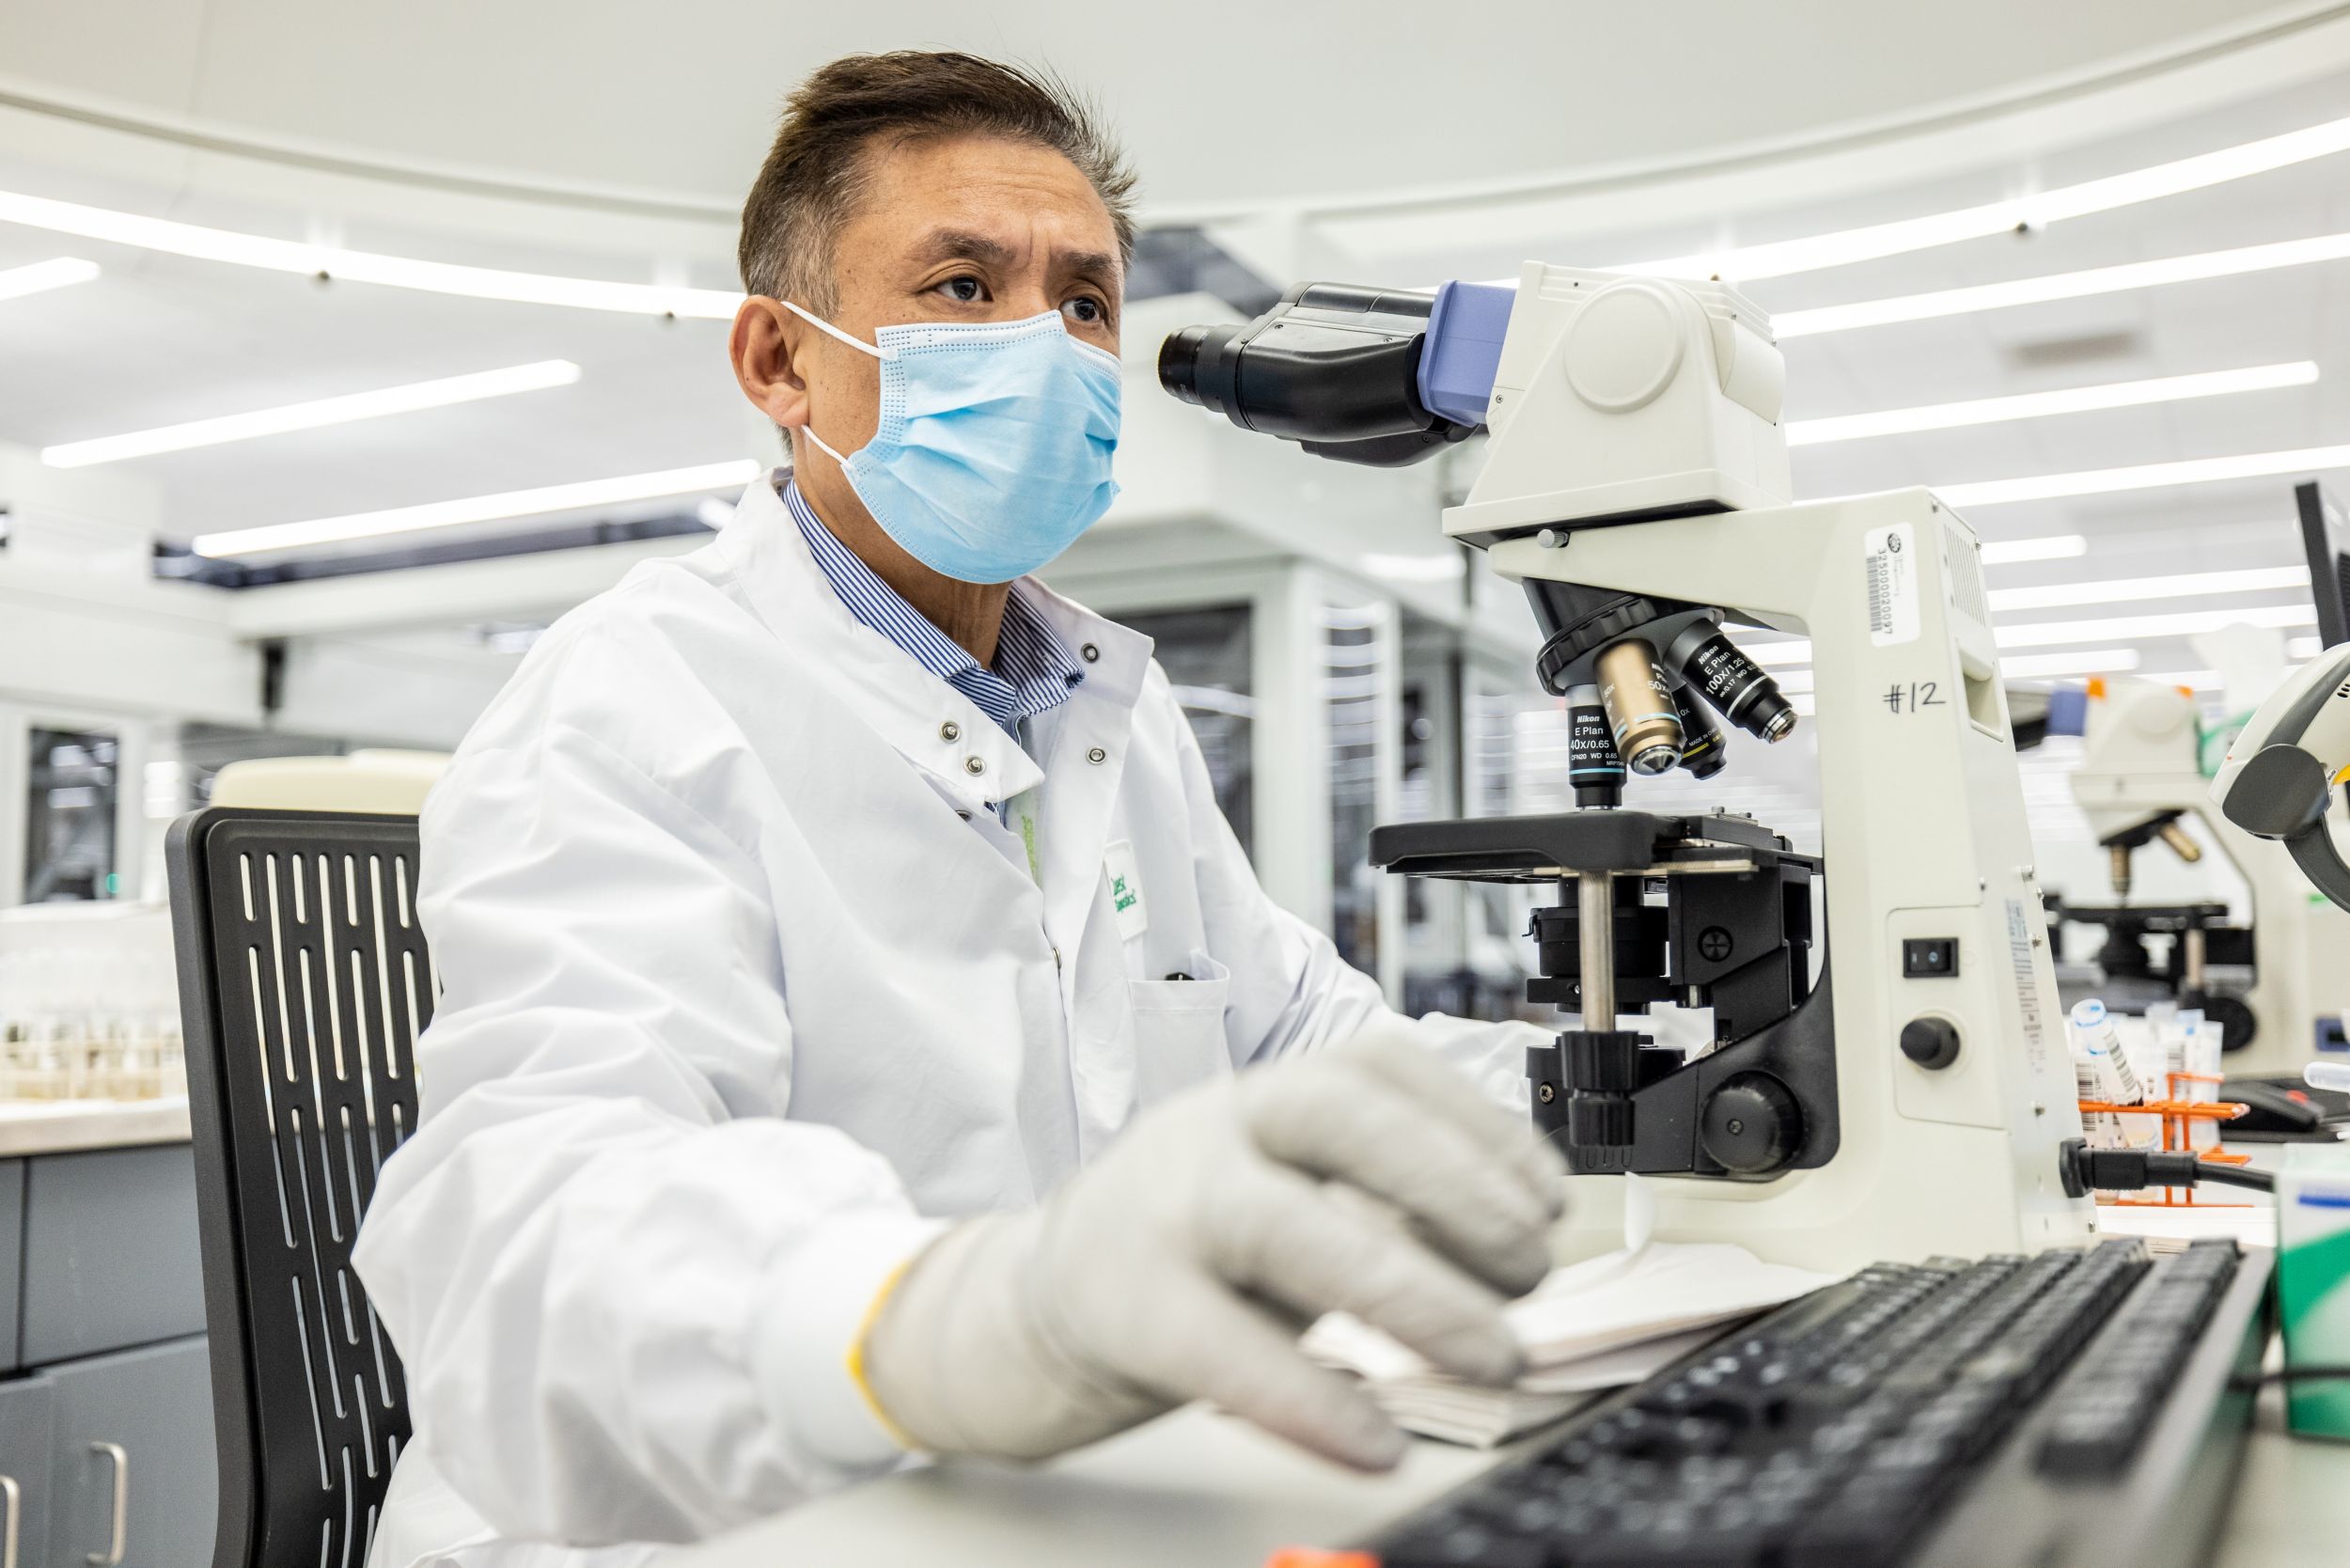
pixel 884 354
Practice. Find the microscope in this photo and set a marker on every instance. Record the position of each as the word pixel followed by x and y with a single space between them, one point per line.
pixel 1915 1097
pixel 2140 783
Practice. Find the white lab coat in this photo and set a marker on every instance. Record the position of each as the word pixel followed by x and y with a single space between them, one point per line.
pixel 747 993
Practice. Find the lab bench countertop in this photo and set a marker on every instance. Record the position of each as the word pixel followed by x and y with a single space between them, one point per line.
pixel 65 1126
pixel 1201 1490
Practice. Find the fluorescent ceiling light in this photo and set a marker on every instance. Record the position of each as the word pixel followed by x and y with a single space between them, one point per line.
pixel 2036 405
pixel 2069 634
pixel 2148 475
pixel 359 266
pixel 480 509
pixel 311 415
pixel 2059 286
pixel 1415 569
pixel 1747 263
pixel 2177 624
pixel 57 273
pixel 2053 547
pixel 2089 661
pixel 2125 590
pixel 1795 650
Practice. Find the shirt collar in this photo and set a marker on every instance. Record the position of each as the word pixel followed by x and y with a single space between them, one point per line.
pixel 935 726
pixel 1035 670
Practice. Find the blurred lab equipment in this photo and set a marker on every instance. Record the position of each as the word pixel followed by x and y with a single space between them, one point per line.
pixel 2275 980
pixel 88 1009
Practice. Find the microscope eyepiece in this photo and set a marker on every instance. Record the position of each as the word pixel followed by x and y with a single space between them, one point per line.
pixel 1179 362
pixel 1332 366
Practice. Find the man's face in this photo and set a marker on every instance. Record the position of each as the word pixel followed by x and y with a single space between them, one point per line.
pixel 962 228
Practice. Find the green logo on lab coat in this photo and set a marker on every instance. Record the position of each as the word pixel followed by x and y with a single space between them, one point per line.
pixel 1121 896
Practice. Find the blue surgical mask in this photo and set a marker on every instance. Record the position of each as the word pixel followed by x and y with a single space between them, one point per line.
pixel 992 453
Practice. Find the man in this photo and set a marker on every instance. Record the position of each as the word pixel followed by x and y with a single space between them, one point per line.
pixel 846 966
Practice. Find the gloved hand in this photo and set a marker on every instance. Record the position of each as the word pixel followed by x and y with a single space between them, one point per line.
pixel 1184 1264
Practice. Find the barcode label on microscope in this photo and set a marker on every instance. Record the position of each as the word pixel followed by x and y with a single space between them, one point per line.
pixel 2019 949
pixel 1890 557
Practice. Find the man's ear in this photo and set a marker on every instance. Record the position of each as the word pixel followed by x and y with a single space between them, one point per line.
pixel 763 346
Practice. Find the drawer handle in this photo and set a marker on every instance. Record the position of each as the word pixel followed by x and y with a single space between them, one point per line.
pixel 113 1554
pixel 16 1507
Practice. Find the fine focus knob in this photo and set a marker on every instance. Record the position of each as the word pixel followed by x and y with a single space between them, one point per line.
pixel 1752 1125
pixel 1599 1121
pixel 1931 1042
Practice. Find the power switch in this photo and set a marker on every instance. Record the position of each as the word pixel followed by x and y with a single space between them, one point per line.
pixel 1929 957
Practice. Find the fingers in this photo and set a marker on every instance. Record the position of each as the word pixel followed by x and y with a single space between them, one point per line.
pixel 1238 1356
pixel 1445 1089
pixel 1284 1237
pixel 1363 1131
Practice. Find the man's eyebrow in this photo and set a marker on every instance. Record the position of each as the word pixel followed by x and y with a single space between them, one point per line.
pixel 1094 266
pixel 956 245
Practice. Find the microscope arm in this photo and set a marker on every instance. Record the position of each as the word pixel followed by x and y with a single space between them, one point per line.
pixel 2279 778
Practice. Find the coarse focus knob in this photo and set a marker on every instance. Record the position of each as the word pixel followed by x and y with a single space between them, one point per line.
pixel 1931 1042
pixel 1752 1125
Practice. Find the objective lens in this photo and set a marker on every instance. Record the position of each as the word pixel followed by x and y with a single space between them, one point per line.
pixel 1733 683
pixel 1702 749
pixel 1642 718
pixel 1594 767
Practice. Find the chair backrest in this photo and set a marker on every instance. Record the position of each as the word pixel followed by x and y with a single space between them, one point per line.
pixel 304 983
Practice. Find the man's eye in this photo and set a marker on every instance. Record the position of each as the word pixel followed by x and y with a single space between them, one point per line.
pixel 1085 310
pixel 965 289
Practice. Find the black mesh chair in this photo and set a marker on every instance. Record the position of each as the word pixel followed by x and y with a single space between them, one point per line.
pixel 304 985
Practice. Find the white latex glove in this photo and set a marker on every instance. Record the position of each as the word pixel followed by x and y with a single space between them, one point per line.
pixel 1184 1264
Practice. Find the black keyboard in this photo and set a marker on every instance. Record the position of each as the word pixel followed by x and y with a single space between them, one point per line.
pixel 2074 1407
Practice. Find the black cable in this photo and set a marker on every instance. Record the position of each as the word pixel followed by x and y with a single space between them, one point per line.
pixel 2089 1170
pixel 2234 1176
pixel 2250 1382
pixel 2297 1375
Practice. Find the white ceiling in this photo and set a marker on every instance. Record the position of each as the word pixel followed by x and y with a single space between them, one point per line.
pixel 674 102
pixel 1334 115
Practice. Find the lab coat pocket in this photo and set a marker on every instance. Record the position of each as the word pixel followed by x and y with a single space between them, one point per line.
pixel 1179 1029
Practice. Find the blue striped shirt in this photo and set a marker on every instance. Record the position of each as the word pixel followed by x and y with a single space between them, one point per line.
pixel 1034 669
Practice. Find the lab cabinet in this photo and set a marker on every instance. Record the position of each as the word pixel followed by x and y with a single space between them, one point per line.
pixel 110 1252
pixel 27 1442
pixel 105 1383
pixel 136 1425
pixel 11 1258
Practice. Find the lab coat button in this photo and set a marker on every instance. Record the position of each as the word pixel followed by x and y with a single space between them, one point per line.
pixel 950 730
pixel 1097 755
pixel 974 766
pixel 1092 654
